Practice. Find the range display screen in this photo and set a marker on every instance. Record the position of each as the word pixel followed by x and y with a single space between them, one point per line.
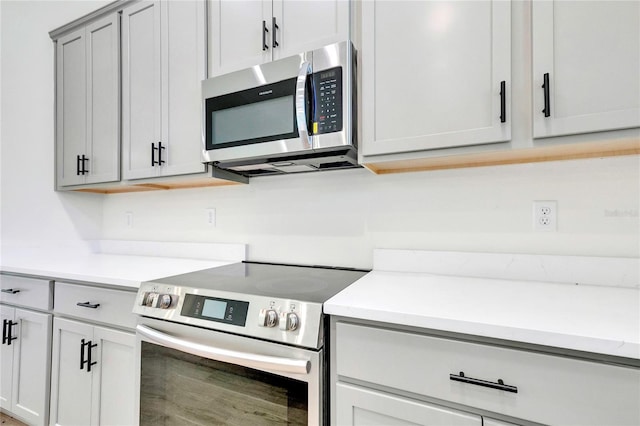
pixel 213 309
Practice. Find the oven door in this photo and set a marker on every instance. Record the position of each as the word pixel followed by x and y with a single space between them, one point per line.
pixel 190 375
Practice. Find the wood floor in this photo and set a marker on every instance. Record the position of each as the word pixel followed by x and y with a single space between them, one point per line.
pixel 5 420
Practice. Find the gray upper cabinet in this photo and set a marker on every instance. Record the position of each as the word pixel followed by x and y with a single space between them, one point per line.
pixel 87 105
pixel 163 63
pixel 245 33
pixel 435 75
pixel 586 66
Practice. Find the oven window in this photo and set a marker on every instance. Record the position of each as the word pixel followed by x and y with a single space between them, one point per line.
pixel 179 388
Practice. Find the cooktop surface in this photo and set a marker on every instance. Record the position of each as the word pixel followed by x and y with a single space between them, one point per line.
pixel 314 284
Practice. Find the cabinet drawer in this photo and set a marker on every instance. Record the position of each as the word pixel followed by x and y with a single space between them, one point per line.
pixel 114 306
pixel 29 292
pixel 550 389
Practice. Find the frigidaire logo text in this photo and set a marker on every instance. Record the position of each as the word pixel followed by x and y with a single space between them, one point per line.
pixel 266 92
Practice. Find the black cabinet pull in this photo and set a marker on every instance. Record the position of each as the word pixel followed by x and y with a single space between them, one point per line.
pixel 485 383
pixel 86 360
pixel 265 46
pixel 4 330
pixel 545 86
pixel 153 154
pixel 89 362
pixel 78 172
pixel 88 305
pixel 503 101
pixel 82 361
pixel 84 169
pixel 7 325
pixel 10 290
pixel 160 149
pixel 274 27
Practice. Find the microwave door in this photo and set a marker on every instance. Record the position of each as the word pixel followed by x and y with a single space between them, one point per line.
pixel 254 113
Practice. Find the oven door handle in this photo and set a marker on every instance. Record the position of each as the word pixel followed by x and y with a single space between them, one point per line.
pixel 256 361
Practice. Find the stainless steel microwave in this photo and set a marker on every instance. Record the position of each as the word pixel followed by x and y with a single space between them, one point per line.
pixel 294 114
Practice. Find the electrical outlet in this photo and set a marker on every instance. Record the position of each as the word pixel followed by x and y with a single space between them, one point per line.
pixel 545 216
pixel 210 217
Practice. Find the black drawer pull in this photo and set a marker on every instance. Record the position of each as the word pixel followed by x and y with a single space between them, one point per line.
pixel 10 290
pixel 88 305
pixel 487 384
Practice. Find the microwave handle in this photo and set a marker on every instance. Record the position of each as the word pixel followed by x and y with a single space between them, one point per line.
pixel 301 105
pixel 245 359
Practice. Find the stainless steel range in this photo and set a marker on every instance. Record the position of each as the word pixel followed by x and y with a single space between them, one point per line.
pixel 238 344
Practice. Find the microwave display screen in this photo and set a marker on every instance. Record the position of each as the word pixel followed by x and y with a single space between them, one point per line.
pixel 259 119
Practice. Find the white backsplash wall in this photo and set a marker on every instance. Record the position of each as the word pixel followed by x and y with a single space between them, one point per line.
pixel 338 218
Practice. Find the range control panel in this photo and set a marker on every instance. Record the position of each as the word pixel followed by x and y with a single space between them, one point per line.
pixel 276 319
pixel 328 89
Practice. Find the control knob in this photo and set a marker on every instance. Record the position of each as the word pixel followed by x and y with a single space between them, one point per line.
pixel 165 301
pixel 289 321
pixel 268 318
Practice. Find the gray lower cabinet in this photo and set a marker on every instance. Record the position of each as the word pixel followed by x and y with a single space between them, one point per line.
pixel 24 363
pixel 360 406
pixel 93 359
pixel 387 376
pixel 93 375
pixel 87 104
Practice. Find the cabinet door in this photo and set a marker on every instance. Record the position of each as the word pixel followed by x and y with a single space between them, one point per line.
pixel 114 394
pixel 103 70
pixel 591 53
pixel 70 385
pixel 236 34
pixel 184 68
pixel 30 387
pixel 6 361
pixel 71 106
pixel 432 73
pixel 141 89
pixel 358 406
pixel 308 25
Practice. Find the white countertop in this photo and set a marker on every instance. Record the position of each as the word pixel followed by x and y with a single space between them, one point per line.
pixel 135 263
pixel 585 317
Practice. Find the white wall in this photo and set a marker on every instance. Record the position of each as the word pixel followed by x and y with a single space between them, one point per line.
pixel 332 218
pixel 31 211
pixel 337 218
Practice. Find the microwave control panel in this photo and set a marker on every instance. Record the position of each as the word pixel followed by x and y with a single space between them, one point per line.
pixel 328 90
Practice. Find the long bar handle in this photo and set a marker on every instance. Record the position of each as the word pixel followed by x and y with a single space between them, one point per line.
pixel 5 324
pixel 9 337
pixel 265 46
pixel 274 27
pixel 260 362
pixel 485 383
pixel 545 86
pixel 10 290
pixel 78 165
pixel 301 104
pixel 503 101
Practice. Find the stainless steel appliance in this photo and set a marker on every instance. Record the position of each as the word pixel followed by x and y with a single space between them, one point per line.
pixel 239 344
pixel 291 115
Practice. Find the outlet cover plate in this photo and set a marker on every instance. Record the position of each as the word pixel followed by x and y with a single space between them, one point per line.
pixel 545 216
